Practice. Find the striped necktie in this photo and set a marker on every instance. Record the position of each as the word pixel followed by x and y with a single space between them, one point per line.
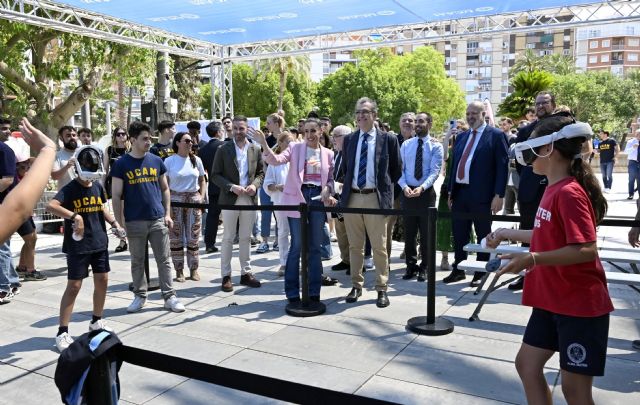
pixel 362 167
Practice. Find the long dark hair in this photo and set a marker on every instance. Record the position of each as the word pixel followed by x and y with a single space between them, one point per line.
pixel 174 146
pixel 570 149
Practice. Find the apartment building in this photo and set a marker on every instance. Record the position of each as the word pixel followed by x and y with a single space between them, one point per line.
pixel 612 47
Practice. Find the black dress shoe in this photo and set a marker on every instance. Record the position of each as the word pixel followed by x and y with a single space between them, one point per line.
pixel 383 300
pixel 477 279
pixel 328 281
pixel 340 266
pixel 409 274
pixel 422 275
pixel 517 285
pixel 211 249
pixel 456 275
pixel 353 295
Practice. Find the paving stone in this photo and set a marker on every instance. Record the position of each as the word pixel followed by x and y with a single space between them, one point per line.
pixel 29 389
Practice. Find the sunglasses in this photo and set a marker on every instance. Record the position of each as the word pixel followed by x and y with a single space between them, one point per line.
pixel 187 141
pixel 121 134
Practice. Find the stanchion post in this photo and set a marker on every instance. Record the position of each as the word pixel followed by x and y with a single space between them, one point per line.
pixel 430 325
pixel 305 307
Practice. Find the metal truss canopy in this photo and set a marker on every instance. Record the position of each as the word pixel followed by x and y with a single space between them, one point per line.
pixel 70 19
pixel 76 21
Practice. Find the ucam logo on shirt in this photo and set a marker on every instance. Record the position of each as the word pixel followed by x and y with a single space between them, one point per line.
pixel 142 175
pixel 87 204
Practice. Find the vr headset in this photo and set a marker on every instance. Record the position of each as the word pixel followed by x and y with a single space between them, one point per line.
pixel 89 164
pixel 526 152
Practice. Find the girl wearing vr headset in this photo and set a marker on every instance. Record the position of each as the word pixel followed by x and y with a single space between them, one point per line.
pixel 565 283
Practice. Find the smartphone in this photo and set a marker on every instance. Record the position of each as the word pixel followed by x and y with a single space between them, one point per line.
pixel 452 124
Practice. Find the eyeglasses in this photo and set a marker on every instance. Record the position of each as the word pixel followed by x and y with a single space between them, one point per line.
pixel 363 112
pixel 541 103
pixel 121 134
pixel 187 141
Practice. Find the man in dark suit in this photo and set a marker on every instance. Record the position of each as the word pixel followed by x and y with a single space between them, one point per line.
pixel 477 184
pixel 371 166
pixel 207 153
pixel 238 172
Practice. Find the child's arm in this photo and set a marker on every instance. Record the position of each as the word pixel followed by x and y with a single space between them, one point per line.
pixel 570 254
pixel 494 238
pixel 56 208
pixel 111 220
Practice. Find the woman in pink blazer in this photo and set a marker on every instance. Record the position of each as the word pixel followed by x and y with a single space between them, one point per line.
pixel 310 180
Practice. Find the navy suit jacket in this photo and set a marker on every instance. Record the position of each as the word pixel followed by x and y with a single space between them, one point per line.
pixel 489 166
pixel 387 166
pixel 531 186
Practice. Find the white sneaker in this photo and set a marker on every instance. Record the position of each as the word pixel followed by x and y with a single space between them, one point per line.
pixel 99 325
pixel 368 263
pixel 607 190
pixel 173 304
pixel 63 341
pixel 281 271
pixel 137 304
pixel 6 297
pixel 334 238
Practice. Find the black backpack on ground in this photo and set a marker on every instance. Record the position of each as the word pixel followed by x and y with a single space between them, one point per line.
pixel 87 371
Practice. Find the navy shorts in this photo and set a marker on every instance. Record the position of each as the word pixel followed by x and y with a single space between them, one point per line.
pixel 582 342
pixel 78 264
pixel 27 227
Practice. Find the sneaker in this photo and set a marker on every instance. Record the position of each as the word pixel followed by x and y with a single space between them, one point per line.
pixel 334 238
pixel 34 276
pixel 21 271
pixel 275 246
pixel 630 197
pixel 137 304
pixel 63 341
pixel 254 241
pixel 281 271
pixel 263 248
pixel 99 325
pixel 249 280
pixel 211 249
pixel 607 190
pixel 173 304
pixel 5 297
pixel 368 263
pixel 15 290
pixel 444 263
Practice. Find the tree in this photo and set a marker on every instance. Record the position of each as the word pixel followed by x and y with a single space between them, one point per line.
pixel 602 99
pixel 35 61
pixel 529 62
pixel 525 87
pixel 283 66
pixel 413 82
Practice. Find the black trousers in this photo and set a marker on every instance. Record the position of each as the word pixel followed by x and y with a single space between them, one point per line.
pixel 464 203
pixel 211 225
pixel 413 224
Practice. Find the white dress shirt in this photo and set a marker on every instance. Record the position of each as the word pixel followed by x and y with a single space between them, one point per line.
pixel 371 156
pixel 631 149
pixel 431 162
pixel 467 166
pixel 243 163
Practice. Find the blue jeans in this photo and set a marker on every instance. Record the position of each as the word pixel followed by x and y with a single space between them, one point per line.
pixel 607 173
pixel 325 248
pixel 634 176
pixel 265 215
pixel 8 275
pixel 315 235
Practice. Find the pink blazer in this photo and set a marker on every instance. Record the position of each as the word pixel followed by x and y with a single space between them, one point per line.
pixel 295 154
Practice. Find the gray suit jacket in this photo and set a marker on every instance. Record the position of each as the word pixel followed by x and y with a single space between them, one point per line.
pixel 225 171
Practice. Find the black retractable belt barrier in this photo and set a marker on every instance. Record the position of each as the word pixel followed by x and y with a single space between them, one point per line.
pixel 430 325
pixel 242 380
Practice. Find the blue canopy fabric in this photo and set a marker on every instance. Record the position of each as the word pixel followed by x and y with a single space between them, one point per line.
pixel 234 22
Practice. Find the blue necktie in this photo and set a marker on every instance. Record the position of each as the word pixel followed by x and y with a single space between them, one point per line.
pixel 362 167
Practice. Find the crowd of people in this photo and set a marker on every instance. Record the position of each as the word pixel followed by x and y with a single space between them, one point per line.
pixel 370 167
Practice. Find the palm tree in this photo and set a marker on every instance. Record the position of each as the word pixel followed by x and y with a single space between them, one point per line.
pixel 282 66
pixel 525 85
pixel 528 62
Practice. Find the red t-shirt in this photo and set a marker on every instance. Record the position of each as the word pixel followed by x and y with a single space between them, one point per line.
pixel 565 216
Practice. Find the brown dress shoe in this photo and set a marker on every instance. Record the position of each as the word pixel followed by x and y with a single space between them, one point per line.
pixel 227 285
pixel 195 276
pixel 249 280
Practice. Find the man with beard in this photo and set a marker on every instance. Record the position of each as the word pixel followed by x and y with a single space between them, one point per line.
pixel 531 186
pixel 421 164
pixel 478 180
pixel 63 170
pixel 227 125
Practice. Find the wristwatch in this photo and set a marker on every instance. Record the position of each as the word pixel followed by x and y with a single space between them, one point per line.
pixel 73 217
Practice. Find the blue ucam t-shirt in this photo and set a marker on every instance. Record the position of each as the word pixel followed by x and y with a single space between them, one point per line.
pixel 140 186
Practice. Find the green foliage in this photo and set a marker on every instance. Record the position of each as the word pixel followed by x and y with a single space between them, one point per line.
pixel 525 87
pixel 255 94
pixel 602 99
pixel 413 82
pixel 555 63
